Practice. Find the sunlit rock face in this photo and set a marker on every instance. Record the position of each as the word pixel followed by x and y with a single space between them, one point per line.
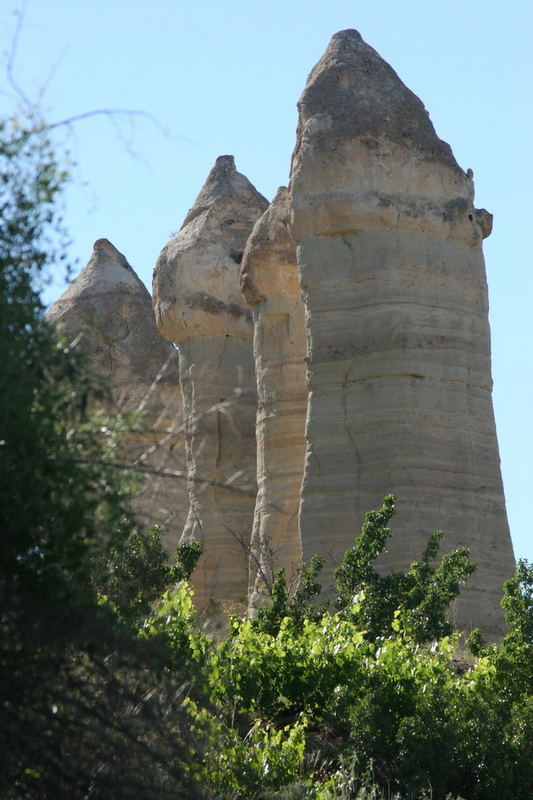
pixel 106 313
pixel 399 372
pixel 198 305
pixel 270 284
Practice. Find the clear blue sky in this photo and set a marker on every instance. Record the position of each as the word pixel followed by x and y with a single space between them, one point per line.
pixel 225 78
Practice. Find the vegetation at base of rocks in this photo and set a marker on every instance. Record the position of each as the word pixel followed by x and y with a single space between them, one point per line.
pixel 321 708
pixel 371 601
pixel 390 695
pixel 108 686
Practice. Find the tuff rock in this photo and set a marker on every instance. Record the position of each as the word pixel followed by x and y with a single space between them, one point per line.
pixel 270 284
pixel 199 307
pixel 364 291
pixel 106 313
pixel 398 363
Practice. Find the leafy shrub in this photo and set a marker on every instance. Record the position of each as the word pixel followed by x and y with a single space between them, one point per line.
pixel 388 707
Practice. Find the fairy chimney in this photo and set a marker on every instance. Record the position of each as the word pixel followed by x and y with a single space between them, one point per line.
pixel 199 307
pixel 399 371
pixel 106 314
pixel 270 284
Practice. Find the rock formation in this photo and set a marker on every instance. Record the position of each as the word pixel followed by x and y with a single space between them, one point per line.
pixel 370 369
pixel 270 283
pixel 393 280
pixel 198 306
pixel 107 312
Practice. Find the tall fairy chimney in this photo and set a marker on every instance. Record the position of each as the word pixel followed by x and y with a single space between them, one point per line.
pixel 198 306
pixel 399 370
pixel 270 284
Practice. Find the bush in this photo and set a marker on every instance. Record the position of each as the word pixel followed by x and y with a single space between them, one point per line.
pixel 379 682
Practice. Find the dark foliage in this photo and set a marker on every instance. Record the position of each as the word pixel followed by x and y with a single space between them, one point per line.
pixel 86 711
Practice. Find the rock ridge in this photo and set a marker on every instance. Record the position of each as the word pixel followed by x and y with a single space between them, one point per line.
pixel 270 284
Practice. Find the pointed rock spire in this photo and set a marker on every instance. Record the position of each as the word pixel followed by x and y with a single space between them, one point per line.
pixel 199 306
pixel 399 374
pixel 353 92
pixel 196 279
pixel 110 309
pixel 364 132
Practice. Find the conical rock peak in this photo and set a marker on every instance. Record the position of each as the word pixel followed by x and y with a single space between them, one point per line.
pixel 361 95
pixel 107 313
pixel 110 310
pixel 224 183
pixel 398 349
pixel 196 279
pixel 367 155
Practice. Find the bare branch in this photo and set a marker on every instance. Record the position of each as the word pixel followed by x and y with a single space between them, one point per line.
pixel 222 407
pixel 51 73
pixel 20 14
pixel 97 112
pixel 164 473
pixel 265 550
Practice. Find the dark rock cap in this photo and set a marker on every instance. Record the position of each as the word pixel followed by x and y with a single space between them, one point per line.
pixel 104 250
pixel 364 97
pixel 108 308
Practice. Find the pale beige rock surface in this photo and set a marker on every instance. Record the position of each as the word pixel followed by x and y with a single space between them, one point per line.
pixel 219 403
pixel 270 283
pixel 199 306
pixel 196 280
pixel 399 372
pixel 107 312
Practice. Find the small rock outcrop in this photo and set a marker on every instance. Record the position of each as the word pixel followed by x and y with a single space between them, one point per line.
pixel 270 284
pixel 107 313
pixel 399 372
pixel 198 306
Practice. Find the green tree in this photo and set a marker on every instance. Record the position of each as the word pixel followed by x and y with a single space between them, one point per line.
pixel 422 594
pixel 87 710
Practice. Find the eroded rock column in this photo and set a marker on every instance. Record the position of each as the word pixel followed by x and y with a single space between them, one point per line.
pixel 107 313
pixel 198 306
pixel 399 372
pixel 270 283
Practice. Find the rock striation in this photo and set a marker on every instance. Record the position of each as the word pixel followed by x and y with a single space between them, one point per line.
pixel 107 313
pixel 393 281
pixel 270 284
pixel 198 306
